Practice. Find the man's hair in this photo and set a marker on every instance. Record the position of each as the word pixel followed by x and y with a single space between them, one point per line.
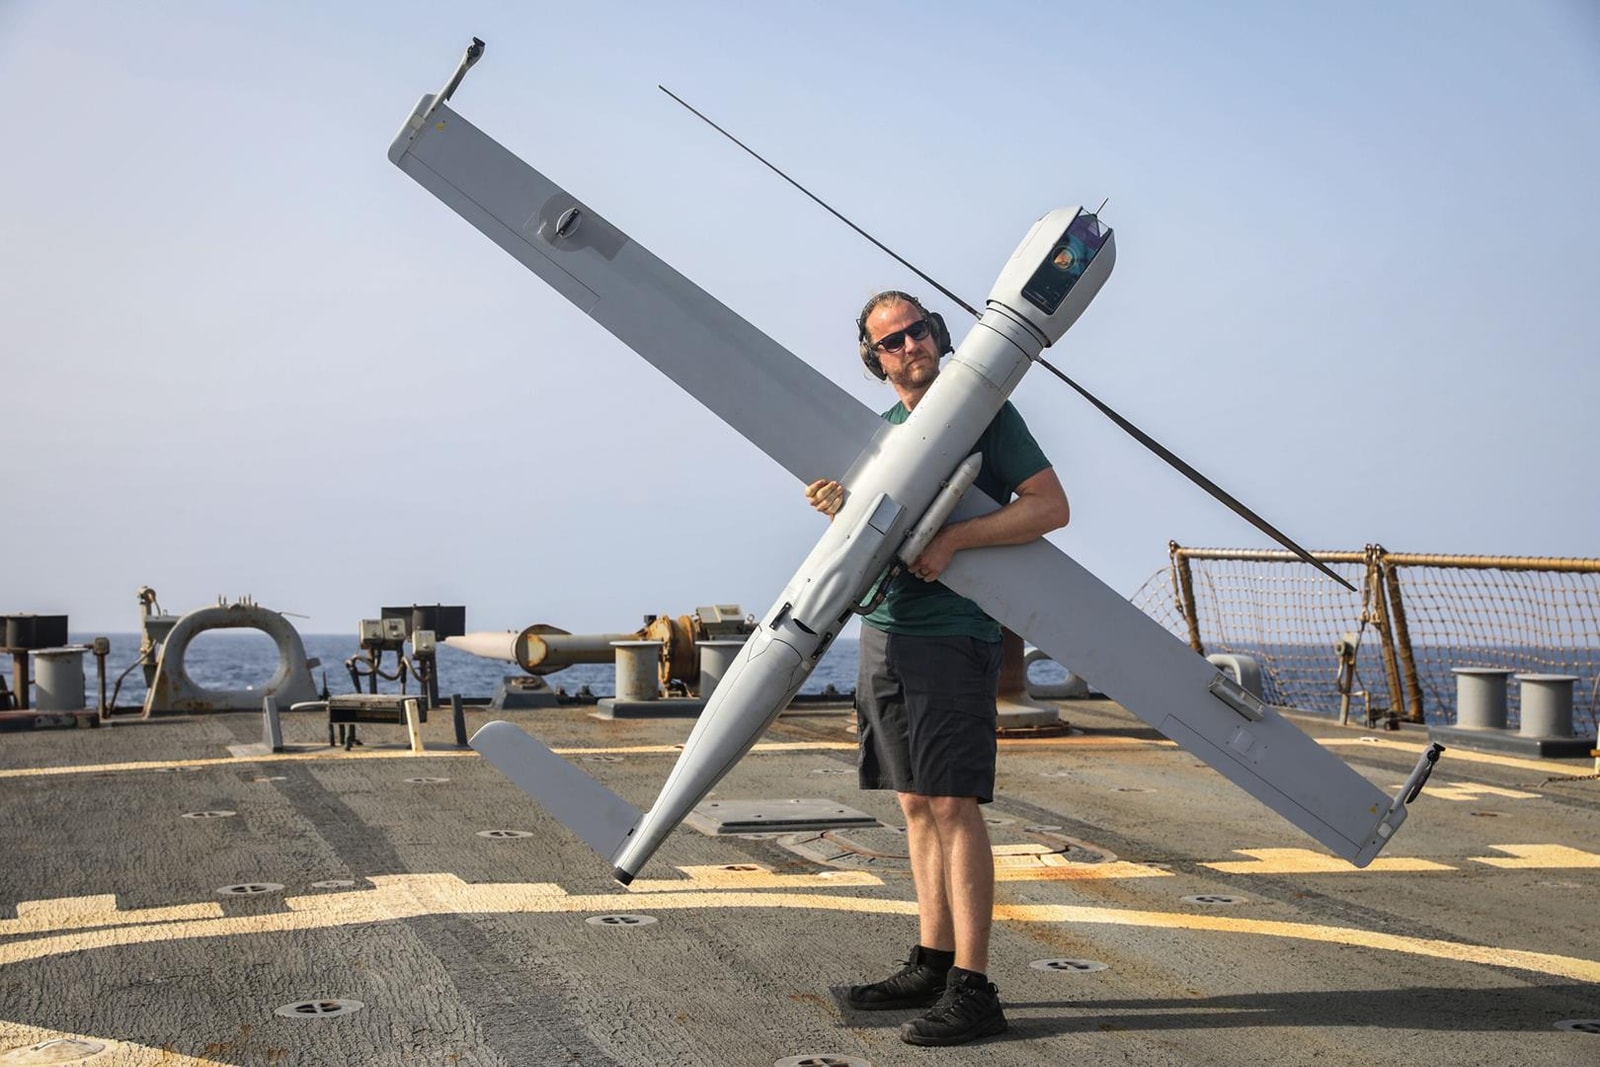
pixel 869 356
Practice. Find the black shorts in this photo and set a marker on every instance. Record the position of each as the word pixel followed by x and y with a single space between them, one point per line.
pixel 925 708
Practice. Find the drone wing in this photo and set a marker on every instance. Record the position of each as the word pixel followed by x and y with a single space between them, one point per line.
pixel 811 426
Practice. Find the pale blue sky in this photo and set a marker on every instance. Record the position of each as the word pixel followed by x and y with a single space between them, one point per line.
pixel 242 353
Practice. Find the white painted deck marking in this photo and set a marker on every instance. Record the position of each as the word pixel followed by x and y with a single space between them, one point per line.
pixel 1305 861
pixel 1539 857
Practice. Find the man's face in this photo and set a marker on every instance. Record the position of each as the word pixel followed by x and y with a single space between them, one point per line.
pixel 916 363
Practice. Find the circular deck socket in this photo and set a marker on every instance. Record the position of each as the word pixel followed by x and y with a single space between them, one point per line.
pixel 504 835
pixel 249 889
pixel 620 920
pixel 1214 899
pixel 208 815
pixel 426 781
pixel 334 883
pixel 822 1059
pixel 56 1050
pixel 1580 1026
pixel 271 778
pixel 318 1009
pixel 1063 966
pixel 602 759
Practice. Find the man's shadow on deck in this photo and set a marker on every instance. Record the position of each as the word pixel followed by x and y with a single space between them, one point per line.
pixel 1507 1009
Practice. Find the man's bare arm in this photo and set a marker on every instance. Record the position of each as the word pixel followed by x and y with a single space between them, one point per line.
pixel 1040 506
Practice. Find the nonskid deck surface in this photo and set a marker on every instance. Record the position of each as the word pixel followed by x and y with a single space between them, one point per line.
pixel 472 929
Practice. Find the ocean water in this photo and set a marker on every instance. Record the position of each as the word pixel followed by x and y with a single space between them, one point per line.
pixel 240 659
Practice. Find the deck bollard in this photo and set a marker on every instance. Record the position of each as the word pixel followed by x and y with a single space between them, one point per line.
pixel 637 669
pixel 716 656
pixel 1546 704
pixel 1481 697
pixel 58 679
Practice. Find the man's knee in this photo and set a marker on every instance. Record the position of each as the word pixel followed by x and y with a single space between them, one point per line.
pixel 951 810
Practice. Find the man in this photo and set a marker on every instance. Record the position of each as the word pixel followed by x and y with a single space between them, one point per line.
pixel 925 696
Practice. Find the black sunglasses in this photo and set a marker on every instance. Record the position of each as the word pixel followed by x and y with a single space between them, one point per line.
pixel 894 342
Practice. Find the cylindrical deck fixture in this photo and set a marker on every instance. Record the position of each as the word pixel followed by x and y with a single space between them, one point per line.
pixel 637 667
pixel 1546 704
pixel 58 678
pixel 1481 697
pixel 716 656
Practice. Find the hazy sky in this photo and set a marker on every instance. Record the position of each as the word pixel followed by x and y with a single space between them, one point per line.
pixel 240 352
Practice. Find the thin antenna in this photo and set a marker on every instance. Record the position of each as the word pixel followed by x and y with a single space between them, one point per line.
pixel 1102 207
pixel 1137 434
pixel 1196 477
pixel 821 203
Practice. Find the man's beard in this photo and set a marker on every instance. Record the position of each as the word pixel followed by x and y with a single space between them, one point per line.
pixel 918 376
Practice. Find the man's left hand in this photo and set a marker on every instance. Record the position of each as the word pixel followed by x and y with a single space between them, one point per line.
pixel 936 557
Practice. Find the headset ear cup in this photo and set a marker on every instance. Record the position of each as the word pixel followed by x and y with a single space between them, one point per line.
pixel 869 358
pixel 941 333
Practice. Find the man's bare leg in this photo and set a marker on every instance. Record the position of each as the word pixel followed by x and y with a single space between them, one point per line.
pixel 935 928
pixel 967 863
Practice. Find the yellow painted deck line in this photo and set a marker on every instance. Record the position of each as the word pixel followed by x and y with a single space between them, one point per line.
pixel 1453 754
pixel 15 1036
pixel 1539 857
pixel 407 896
pixel 338 754
pixel 1305 861
pixel 82 913
pixel 1057 869
pixel 750 876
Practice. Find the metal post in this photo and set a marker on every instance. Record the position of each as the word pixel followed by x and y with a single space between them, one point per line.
pixel 19 678
pixel 429 664
pixel 1402 637
pixel 1380 620
pixel 272 725
pixel 1185 583
pixel 102 648
pixel 458 718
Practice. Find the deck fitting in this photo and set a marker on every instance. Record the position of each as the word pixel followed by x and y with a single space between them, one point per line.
pixel 318 1009
pixel 1066 966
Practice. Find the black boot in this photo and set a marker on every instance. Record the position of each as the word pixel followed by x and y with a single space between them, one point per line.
pixel 969 1009
pixel 916 985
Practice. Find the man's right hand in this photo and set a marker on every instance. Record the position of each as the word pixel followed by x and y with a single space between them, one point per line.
pixel 826 496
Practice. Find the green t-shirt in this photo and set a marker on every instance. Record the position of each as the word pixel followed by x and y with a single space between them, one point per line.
pixel 928 609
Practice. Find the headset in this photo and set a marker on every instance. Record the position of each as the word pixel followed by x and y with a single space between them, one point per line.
pixel 869 356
